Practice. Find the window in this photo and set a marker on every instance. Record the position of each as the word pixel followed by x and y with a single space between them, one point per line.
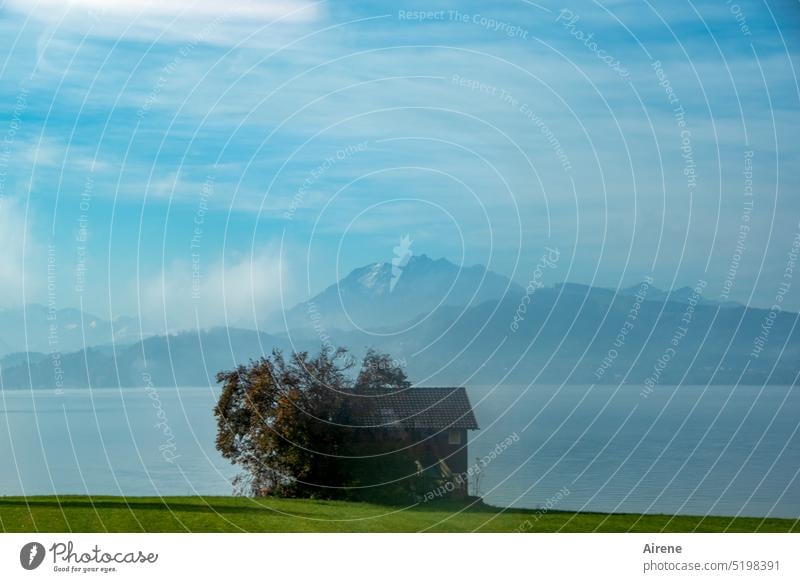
pixel 454 437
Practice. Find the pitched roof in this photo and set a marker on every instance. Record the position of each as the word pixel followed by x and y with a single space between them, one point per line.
pixel 427 408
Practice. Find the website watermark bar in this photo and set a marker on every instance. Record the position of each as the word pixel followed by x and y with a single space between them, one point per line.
pixel 356 557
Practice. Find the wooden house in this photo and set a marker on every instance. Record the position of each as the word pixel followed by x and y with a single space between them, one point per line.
pixel 432 424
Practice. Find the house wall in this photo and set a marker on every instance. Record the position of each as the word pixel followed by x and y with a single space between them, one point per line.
pixel 432 446
pixel 428 446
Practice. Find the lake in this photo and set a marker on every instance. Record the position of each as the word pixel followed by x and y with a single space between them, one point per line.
pixel 691 449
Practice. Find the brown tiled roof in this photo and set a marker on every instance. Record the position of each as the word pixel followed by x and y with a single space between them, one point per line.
pixel 427 408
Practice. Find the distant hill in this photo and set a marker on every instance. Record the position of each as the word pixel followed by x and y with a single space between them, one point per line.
pixel 681 295
pixel 575 339
pixel 450 325
pixel 571 333
pixel 381 295
pixel 17 358
pixel 35 328
pixel 184 359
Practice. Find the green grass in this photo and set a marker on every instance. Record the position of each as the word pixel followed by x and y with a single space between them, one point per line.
pixel 237 514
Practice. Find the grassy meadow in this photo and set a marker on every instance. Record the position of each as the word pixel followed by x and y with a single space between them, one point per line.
pixel 240 514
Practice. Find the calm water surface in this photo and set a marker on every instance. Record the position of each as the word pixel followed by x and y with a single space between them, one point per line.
pixel 690 449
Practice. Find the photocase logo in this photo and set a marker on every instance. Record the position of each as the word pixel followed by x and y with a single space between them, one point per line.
pixel 67 558
pixel 31 555
pixel 402 254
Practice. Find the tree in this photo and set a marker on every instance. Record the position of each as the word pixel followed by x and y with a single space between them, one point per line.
pixel 380 372
pixel 296 426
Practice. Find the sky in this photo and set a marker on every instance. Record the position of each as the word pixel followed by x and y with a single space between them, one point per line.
pixel 209 162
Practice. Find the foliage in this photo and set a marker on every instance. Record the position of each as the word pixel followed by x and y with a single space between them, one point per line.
pixel 295 427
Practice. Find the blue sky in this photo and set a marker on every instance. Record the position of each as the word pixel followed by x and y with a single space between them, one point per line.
pixel 295 141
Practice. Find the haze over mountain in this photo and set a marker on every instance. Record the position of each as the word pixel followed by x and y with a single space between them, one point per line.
pixel 383 295
pixel 183 359
pixel 37 328
pixel 451 325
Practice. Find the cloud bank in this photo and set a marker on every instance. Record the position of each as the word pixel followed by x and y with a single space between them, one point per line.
pixel 239 292
pixel 165 19
pixel 16 281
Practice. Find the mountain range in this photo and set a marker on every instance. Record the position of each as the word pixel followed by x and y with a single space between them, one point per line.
pixel 454 325
pixel 39 328
pixel 384 295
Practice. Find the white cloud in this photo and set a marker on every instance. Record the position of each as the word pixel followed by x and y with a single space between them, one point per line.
pixel 52 153
pixel 14 269
pixel 166 186
pixel 210 20
pixel 235 293
pixel 264 10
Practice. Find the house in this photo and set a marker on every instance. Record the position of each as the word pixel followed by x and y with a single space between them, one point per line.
pixel 432 423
